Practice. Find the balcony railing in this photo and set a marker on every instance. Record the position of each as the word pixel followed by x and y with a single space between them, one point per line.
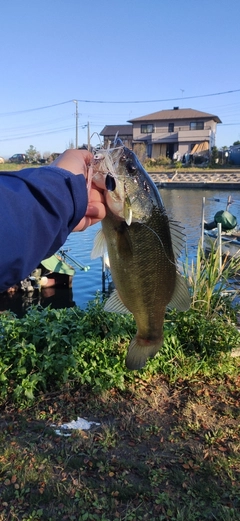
pixel 180 134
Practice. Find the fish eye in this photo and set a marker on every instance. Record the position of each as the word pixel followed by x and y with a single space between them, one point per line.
pixel 110 183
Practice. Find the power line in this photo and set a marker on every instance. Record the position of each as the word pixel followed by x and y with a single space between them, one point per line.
pixel 34 125
pixel 36 134
pixel 120 102
pixel 163 100
pixel 37 108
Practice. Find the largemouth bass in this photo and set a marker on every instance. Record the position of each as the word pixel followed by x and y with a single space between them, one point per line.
pixel 143 245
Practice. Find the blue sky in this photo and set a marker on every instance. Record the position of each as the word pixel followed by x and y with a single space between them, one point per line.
pixel 54 51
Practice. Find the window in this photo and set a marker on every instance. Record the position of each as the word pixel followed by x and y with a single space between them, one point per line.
pixel 196 125
pixel 147 129
pixel 170 127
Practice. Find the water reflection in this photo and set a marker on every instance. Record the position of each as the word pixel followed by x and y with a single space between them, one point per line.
pixel 20 302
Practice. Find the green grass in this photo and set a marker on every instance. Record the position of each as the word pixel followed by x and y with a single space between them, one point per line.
pixel 167 447
pixel 159 168
pixel 9 167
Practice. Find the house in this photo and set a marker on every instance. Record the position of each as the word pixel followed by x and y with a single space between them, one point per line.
pixel 172 133
pixel 176 132
pixel 125 132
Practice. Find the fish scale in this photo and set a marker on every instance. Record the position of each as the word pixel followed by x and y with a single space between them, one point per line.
pixel 142 270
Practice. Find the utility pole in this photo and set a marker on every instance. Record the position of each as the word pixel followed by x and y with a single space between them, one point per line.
pixel 75 101
pixel 88 136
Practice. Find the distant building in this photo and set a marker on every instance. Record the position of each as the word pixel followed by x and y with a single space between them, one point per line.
pixel 171 133
pixel 125 132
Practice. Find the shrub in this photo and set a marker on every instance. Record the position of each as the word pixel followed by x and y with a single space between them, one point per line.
pixel 48 348
pixel 159 161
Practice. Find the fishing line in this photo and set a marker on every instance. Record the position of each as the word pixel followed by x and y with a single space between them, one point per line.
pixel 98 135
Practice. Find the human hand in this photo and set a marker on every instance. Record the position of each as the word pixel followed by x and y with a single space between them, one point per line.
pixel 96 209
pixel 79 162
pixel 75 161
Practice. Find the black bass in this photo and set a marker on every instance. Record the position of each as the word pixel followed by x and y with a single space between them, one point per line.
pixel 143 245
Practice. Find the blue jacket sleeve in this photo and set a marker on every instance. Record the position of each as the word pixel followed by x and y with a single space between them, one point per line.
pixel 39 207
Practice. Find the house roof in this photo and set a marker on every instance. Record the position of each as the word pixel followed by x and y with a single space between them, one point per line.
pixel 111 130
pixel 176 113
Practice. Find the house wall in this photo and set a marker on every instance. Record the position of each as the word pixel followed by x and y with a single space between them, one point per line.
pixel 213 131
pixel 184 148
pixel 181 127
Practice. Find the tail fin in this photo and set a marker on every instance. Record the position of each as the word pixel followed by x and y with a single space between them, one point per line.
pixel 140 350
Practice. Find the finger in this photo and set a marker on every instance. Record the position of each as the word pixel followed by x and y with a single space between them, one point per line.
pixel 76 161
pixel 99 180
pixel 83 224
pixel 97 210
pixel 94 221
pixel 97 191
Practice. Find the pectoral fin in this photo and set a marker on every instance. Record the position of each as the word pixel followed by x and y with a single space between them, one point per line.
pixel 99 246
pixel 181 299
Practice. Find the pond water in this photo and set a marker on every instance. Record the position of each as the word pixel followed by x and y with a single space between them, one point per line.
pixel 183 205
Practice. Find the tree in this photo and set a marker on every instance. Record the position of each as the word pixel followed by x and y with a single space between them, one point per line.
pixel 53 156
pixel 214 156
pixel 70 144
pixel 32 154
pixel 236 142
